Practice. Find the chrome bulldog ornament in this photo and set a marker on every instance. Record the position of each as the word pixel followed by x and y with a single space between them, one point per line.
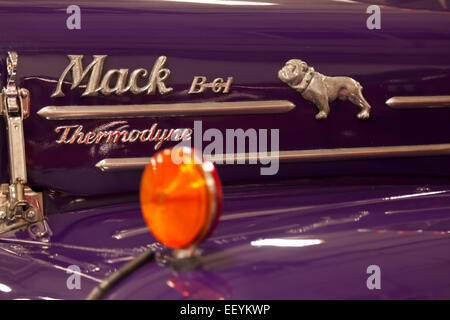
pixel 321 89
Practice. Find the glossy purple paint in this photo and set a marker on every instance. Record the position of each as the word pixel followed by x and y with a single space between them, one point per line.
pixel 401 226
pixel 399 223
pixel 408 56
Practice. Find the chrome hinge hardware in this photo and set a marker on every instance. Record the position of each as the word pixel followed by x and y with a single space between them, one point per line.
pixel 19 205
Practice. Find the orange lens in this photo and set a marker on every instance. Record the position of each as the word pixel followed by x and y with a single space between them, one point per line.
pixel 180 202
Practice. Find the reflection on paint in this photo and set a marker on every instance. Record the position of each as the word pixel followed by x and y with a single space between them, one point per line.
pixel 286 242
pixel 228 2
pixel 4 288
pixel 415 195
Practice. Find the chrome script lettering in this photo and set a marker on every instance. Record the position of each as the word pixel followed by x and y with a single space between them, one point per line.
pixel 75 134
pixel 115 80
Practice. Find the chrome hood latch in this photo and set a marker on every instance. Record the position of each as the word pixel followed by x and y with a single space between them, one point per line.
pixel 19 205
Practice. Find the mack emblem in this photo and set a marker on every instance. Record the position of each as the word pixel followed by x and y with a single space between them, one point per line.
pixel 321 90
pixel 105 85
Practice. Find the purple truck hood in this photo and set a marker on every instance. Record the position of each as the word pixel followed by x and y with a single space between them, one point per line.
pixel 280 237
pixel 298 239
pixel 250 44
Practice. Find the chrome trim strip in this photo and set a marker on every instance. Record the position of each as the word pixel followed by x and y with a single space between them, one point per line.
pixel 123 164
pixel 418 102
pixel 165 110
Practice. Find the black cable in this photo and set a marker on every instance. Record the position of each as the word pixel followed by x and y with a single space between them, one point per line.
pixel 102 289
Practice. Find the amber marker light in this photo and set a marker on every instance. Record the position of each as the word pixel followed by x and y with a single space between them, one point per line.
pixel 181 201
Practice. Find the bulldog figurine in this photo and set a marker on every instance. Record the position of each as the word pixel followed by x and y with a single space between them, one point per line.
pixel 321 89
